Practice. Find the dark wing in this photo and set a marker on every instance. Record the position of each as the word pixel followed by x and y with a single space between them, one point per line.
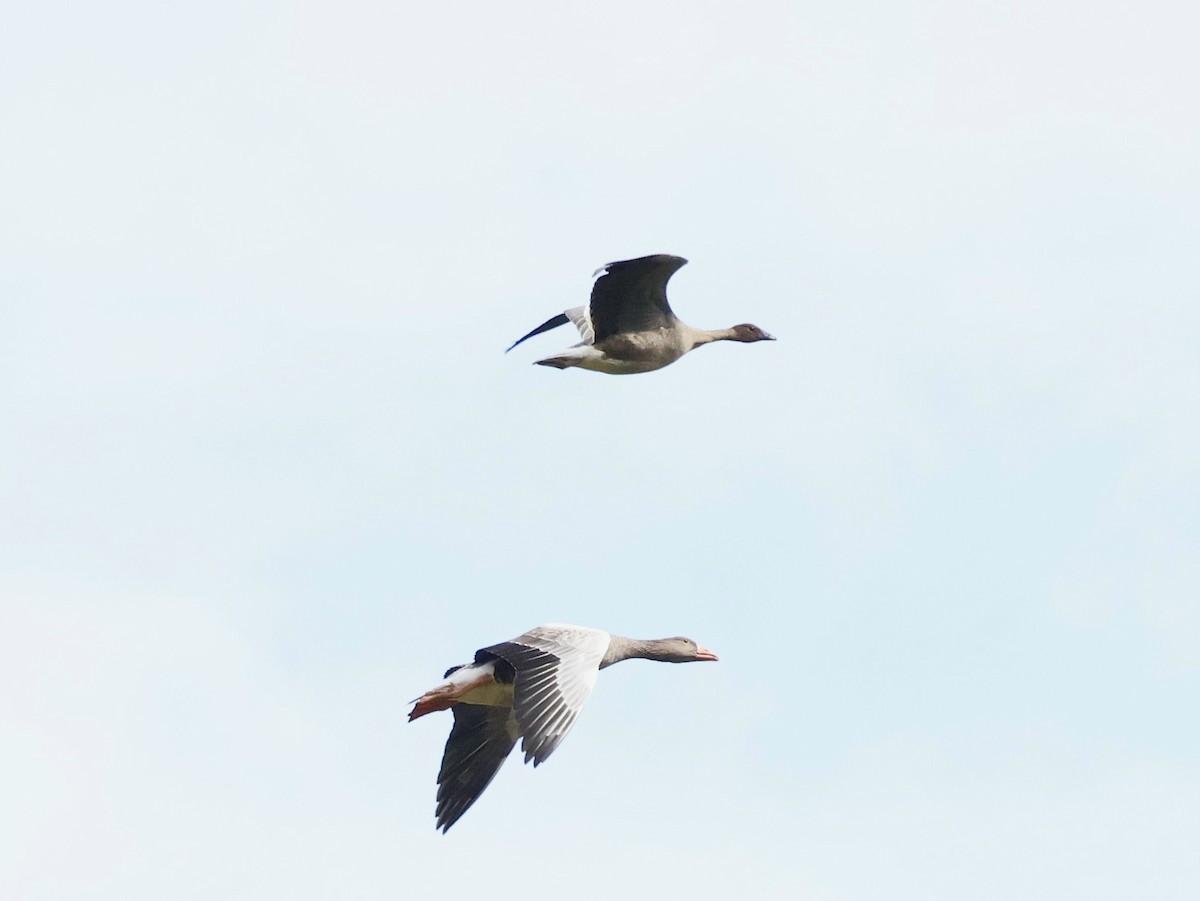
pixel 555 322
pixel 481 739
pixel 631 295
pixel 556 669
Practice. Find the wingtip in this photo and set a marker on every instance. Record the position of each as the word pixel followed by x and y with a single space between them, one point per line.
pixel 652 258
pixel 551 323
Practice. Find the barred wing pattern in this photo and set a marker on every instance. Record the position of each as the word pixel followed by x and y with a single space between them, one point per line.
pixel 556 671
pixel 582 320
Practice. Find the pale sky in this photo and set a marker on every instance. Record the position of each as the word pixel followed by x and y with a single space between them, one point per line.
pixel 266 471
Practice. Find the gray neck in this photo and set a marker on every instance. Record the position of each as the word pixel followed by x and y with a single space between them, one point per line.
pixel 622 648
pixel 700 336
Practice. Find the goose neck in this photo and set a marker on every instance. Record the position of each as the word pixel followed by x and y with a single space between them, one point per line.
pixel 622 648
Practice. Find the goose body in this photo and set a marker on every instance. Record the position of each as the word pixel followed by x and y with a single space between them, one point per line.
pixel 531 688
pixel 628 325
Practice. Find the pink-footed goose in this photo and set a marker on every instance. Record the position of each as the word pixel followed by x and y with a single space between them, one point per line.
pixel 628 326
pixel 531 688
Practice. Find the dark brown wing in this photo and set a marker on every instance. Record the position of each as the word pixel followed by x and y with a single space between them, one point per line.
pixel 552 322
pixel 631 296
pixel 480 741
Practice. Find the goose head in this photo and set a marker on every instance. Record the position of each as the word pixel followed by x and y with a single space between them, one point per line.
pixel 681 650
pixel 748 334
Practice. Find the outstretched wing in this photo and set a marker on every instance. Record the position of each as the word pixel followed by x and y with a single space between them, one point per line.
pixel 553 322
pixel 577 315
pixel 631 295
pixel 556 668
pixel 481 739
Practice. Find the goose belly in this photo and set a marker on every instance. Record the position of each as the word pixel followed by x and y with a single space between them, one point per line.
pixel 624 354
pixel 639 351
pixel 617 366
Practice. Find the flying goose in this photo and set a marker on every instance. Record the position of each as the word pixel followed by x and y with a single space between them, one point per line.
pixel 628 326
pixel 531 688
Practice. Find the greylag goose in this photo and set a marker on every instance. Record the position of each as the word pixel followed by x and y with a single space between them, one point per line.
pixel 628 326
pixel 531 688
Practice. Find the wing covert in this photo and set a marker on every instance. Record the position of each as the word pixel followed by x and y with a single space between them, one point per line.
pixel 556 669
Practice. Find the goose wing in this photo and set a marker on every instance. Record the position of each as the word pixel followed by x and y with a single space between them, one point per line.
pixel 631 296
pixel 480 741
pixel 577 315
pixel 552 322
pixel 556 668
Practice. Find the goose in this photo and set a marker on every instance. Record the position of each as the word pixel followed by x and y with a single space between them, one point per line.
pixel 629 327
pixel 531 688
